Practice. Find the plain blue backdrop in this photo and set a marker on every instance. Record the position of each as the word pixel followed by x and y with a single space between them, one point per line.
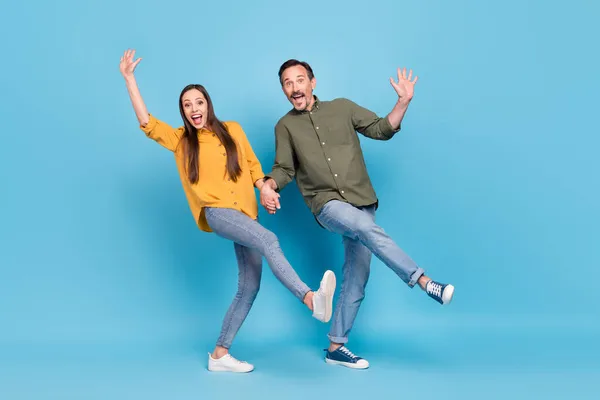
pixel 109 290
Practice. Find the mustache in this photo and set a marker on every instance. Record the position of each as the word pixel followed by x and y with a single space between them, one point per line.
pixel 297 93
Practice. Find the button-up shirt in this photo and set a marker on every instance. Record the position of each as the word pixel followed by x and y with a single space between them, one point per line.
pixel 321 149
pixel 214 187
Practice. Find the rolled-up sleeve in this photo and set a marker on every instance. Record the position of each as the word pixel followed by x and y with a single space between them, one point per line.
pixel 163 133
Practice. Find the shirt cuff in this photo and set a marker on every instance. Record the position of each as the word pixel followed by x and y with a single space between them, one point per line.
pixel 257 175
pixel 279 178
pixel 387 128
pixel 152 121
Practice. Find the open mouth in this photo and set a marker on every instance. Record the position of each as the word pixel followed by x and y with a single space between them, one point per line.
pixel 297 96
pixel 197 119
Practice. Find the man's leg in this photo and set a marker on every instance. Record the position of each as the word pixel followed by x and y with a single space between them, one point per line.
pixel 356 269
pixel 352 222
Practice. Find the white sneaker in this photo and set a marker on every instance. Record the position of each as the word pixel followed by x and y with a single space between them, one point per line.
pixel 228 363
pixel 323 298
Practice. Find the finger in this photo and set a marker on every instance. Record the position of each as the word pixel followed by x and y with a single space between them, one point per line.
pixel 277 203
pixel 399 74
pixel 416 79
pixel 136 62
pixel 404 73
pixel 410 75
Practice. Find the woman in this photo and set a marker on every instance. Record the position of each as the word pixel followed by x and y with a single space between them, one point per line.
pixel 218 171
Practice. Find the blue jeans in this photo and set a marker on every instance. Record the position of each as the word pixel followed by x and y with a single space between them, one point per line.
pixel 362 237
pixel 251 242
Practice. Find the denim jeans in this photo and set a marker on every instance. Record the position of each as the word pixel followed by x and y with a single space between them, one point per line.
pixel 362 237
pixel 251 242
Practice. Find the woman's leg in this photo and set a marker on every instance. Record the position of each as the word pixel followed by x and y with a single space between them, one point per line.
pixel 238 227
pixel 250 270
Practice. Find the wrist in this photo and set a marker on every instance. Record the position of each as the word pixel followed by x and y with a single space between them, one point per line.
pixel 403 101
pixel 270 183
pixel 129 78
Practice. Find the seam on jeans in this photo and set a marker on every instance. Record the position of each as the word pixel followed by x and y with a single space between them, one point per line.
pixel 342 297
pixel 235 299
pixel 268 247
pixel 271 250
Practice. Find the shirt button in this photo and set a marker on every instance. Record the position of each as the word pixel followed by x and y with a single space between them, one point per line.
pixel 317 127
pixel 235 203
pixel 323 143
pixel 342 192
pixel 334 174
pixel 329 159
pixel 224 154
pixel 214 135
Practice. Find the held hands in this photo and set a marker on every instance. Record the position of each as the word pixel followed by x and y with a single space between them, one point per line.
pixel 127 65
pixel 269 198
pixel 405 87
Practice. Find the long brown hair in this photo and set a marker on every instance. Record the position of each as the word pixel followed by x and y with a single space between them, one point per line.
pixel 192 145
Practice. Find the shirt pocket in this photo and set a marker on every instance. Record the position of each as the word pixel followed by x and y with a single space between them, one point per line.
pixel 339 133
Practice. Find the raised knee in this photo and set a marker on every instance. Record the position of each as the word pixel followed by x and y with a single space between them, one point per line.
pixel 269 239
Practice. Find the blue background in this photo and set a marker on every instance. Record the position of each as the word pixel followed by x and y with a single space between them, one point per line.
pixel 109 290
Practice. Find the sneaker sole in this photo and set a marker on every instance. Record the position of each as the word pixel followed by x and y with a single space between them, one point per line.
pixel 446 299
pixel 328 285
pixel 225 369
pixel 345 364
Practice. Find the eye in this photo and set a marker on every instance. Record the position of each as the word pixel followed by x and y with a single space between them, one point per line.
pixel 186 105
pixel 300 80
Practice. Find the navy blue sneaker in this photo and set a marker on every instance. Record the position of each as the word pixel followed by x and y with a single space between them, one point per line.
pixel 343 356
pixel 440 292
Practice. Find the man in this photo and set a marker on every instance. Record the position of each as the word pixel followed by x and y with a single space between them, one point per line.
pixel 316 143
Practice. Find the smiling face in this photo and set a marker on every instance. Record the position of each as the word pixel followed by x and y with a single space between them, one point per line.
pixel 298 87
pixel 195 108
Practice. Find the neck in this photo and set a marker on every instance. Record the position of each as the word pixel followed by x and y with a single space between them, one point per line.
pixel 311 104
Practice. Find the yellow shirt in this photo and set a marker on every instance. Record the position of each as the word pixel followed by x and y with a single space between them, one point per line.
pixel 214 187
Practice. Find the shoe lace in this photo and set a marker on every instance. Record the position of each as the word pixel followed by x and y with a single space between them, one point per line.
pixel 434 288
pixel 345 350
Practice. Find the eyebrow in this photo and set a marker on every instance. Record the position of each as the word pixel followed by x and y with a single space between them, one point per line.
pixel 197 98
pixel 297 76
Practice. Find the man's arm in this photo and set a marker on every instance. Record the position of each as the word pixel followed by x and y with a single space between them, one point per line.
pixel 370 125
pixel 405 89
pixel 283 171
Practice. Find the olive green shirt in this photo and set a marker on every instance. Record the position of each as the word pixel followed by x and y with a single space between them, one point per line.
pixel 321 149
